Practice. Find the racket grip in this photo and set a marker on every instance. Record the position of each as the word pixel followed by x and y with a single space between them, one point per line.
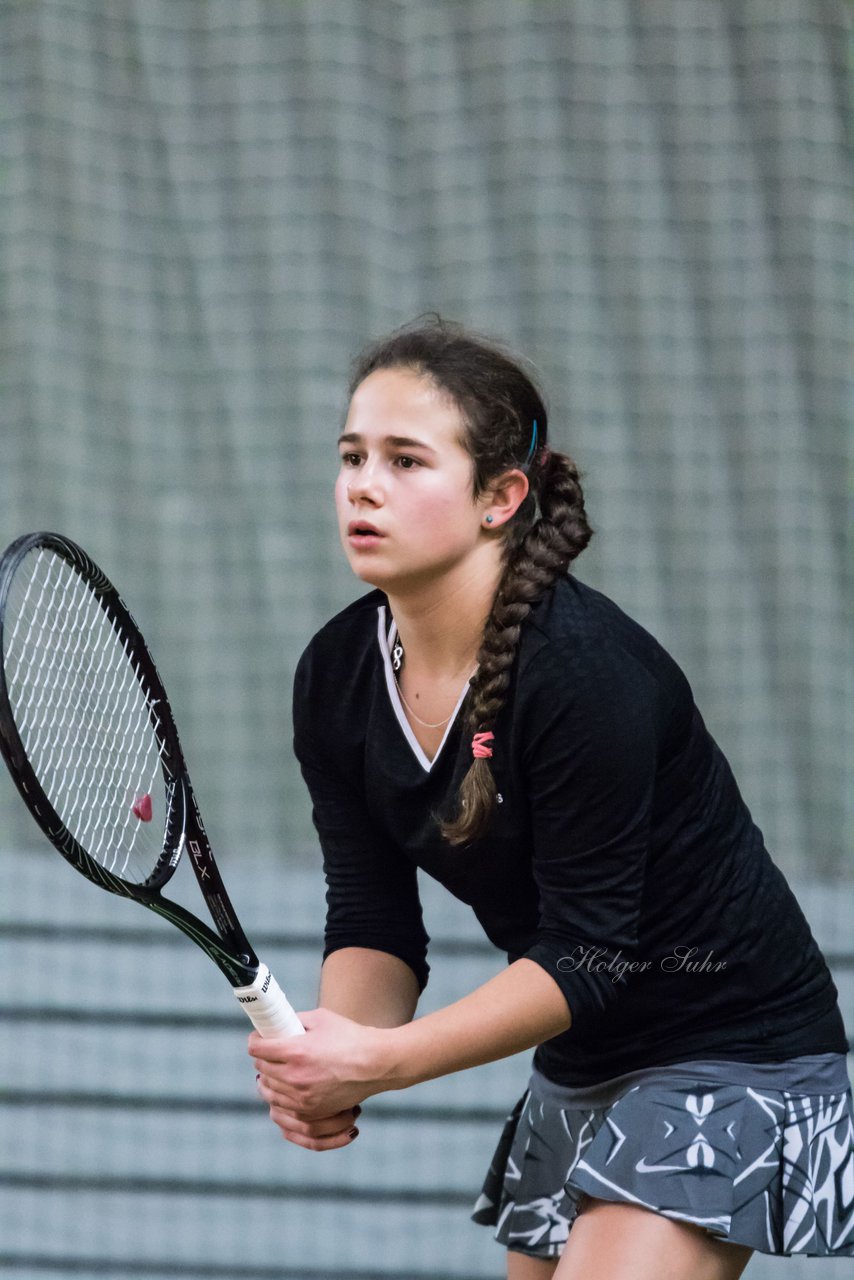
pixel 267 1006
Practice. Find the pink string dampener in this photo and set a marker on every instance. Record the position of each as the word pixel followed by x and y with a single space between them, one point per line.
pixel 479 749
pixel 141 808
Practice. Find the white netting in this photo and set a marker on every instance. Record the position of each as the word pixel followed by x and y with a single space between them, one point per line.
pixel 83 717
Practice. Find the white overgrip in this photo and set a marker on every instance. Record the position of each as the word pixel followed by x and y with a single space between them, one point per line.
pixel 266 1004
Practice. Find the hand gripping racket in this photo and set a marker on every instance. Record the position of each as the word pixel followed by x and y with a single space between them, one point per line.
pixel 88 735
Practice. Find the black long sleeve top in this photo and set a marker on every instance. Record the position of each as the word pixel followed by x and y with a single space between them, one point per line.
pixel 621 856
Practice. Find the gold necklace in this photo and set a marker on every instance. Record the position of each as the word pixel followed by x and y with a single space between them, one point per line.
pixel 425 723
pixel 415 714
pixel 415 717
pixel 397 663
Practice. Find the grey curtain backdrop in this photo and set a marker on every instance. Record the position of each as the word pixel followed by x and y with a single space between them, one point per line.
pixel 208 206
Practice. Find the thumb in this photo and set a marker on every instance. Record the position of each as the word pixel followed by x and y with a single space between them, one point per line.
pixel 314 1019
pixel 274 1048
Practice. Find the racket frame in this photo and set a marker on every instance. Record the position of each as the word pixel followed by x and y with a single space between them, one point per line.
pixel 228 948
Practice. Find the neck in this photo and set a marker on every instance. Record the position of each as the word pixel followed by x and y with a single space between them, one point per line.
pixel 441 625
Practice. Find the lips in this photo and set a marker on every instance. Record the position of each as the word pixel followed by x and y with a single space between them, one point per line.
pixel 362 535
pixel 358 527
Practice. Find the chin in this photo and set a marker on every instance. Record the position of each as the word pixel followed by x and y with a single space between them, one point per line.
pixel 368 573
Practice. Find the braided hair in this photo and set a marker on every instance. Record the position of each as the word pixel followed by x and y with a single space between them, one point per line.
pixel 499 404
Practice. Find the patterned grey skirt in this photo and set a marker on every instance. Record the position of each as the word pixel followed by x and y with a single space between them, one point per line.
pixel 757 1154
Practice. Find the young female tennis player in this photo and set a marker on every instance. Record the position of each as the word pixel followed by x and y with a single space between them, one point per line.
pixel 487 717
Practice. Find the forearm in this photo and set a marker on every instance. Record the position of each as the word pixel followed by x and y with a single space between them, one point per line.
pixel 519 1008
pixel 339 1063
pixel 371 987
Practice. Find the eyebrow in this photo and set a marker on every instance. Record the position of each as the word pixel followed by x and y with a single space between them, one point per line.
pixel 398 442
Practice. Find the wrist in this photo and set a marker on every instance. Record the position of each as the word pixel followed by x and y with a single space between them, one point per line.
pixel 390 1067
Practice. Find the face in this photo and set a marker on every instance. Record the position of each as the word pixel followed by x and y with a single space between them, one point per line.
pixel 406 511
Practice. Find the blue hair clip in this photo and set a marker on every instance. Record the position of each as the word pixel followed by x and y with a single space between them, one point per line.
pixel 533 448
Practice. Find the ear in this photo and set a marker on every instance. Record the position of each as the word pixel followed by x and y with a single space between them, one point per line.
pixel 500 502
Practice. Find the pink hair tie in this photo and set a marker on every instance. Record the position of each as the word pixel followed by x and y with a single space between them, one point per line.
pixel 479 749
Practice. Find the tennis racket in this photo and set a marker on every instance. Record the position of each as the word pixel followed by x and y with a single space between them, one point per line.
pixel 88 736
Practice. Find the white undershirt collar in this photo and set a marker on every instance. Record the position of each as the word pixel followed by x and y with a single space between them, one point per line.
pixel 386 635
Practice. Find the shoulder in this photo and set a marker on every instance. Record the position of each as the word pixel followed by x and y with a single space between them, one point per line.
pixel 581 642
pixel 573 614
pixel 349 633
pixel 353 616
pixel 334 664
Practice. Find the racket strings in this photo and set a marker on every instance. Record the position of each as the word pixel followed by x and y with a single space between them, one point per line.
pixel 84 692
pixel 86 724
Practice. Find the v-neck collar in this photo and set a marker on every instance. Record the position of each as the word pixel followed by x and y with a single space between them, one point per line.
pixel 386 634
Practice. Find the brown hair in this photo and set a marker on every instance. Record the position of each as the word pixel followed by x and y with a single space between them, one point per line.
pixel 499 403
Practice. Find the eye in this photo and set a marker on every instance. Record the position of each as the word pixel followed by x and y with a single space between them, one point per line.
pixel 406 462
pixel 350 459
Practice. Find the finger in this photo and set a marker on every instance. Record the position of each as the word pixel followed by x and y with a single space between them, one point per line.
pixel 320 1144
pixel 276 1076
pixel 311 1125
pixel 274 1048
pixel 338 1126
pixel 299 1099
pixel 315 1125
pixel 274 1093
pixel 316 1135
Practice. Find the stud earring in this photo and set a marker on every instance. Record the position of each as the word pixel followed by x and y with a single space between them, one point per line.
pixel 489 519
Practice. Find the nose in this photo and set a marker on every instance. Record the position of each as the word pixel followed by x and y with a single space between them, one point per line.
pixel 364 485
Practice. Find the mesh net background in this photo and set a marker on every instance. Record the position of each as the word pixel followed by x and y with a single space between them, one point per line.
pixel 207 208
